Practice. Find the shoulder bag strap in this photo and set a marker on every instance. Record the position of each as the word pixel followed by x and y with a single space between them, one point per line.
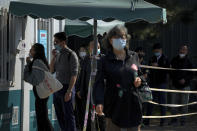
pixel 36 67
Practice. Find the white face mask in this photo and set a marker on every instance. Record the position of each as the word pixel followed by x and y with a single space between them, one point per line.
pixel 82 54
pixel 182 55
pixel 119 44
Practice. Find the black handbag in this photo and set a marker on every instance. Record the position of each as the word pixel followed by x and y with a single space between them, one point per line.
pixel 145 92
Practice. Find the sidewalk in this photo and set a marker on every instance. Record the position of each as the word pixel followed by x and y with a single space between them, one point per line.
pixel 191 125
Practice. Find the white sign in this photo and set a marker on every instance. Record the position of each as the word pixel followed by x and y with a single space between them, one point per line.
pixel 15 117
pixel 21 48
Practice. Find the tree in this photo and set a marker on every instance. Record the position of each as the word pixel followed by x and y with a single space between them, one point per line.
pixel 178 11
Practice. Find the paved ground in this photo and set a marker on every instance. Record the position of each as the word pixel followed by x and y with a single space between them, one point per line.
pixel 171 128
pixel 191 125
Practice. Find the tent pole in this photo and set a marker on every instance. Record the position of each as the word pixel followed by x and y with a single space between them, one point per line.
pixel 34 31
pixel 22 76
pixel 94 61
pixel 91 82
pixel 93 70
pixel 95 37
pixel 95 44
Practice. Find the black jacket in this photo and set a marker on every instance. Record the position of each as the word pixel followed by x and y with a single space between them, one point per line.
pixel 179 63
pixel 84 77
pixel 121 99
pixel 157 77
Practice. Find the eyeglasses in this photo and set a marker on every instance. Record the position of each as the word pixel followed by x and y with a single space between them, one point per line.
pixel 123 36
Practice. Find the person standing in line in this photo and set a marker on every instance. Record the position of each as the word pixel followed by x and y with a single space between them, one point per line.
pixel 65 64
pixel 35 77
pixel 83 85
pixel 78 102
pixel 158 79
pixel 117 82
pixel 82 55
pixel 181 81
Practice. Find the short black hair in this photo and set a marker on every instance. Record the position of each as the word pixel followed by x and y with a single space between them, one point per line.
pixel 61 36
pixel 138 49
pixel 157 46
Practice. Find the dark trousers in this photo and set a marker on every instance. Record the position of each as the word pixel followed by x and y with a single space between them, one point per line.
pixel 159 97
pixel 64 110
pixel 43 122
pixel 180 98
pixel 80 111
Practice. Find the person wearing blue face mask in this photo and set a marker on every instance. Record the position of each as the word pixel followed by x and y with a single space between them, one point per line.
pixel 57 47
pixel 158 79
pixel 117 81
pixel 65 64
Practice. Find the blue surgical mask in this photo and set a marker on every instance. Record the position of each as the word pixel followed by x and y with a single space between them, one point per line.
pixel 119 44
pixel 58 47
pixel 98 51
pixel 157 54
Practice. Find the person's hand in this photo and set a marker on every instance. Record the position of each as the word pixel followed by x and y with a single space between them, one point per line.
pixel 78 94
pixel 67 97
pixel 99 109
pixel 28 59
pixel 182 81
pixel 137 82
pixel 54 52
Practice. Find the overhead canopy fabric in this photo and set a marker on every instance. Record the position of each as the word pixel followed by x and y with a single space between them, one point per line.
pixel 78 28
pixel 85 28
pixel 124 10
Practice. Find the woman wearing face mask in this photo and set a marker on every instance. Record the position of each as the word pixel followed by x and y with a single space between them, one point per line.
pixel 82 55
pixel 82 87
pixel 34 77
pixel 82 52
pixel 117 82
pixel 78 102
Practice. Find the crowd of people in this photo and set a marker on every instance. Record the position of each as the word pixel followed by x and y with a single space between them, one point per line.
pixel 116 87
pixel 160 79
